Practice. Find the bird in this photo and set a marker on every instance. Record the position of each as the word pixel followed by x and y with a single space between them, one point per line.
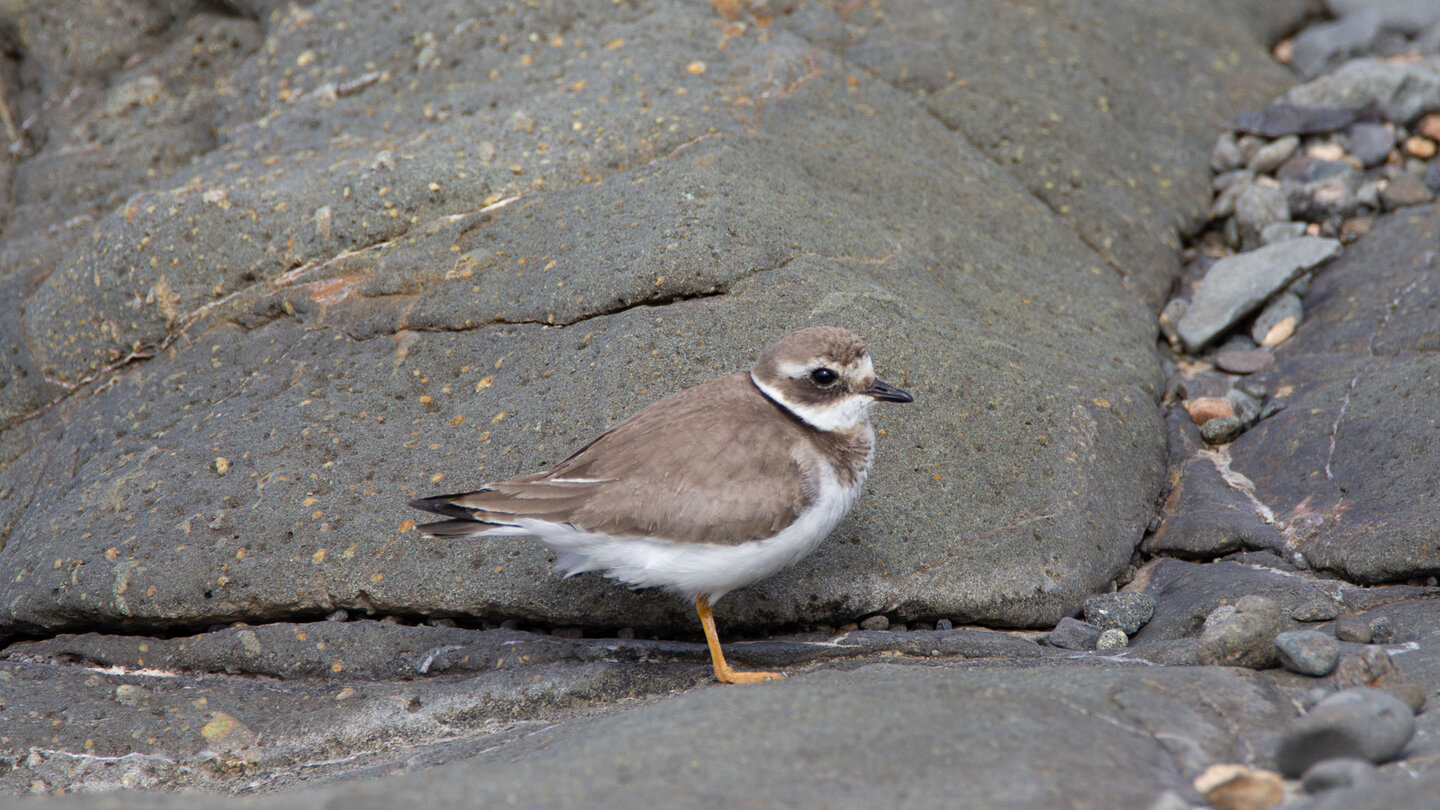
pixel 708 490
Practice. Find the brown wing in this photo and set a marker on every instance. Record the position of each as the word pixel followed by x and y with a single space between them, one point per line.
pixel 710 464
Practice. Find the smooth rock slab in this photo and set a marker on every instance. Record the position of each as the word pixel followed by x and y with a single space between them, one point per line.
pixel 1243 635
pixel 1237 284
pixel 1362 723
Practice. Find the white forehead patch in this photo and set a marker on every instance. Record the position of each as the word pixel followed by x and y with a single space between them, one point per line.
pixel 863 368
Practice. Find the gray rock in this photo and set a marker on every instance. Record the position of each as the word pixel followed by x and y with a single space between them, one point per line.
pixel 1243 361
pixel 1170 318
pixel 1234 184
pixel 1359 723
pixel 1322 46
pixel 1235 285
pixel 1341 772
pixel 1279 120
pixel 1370 143
pixel 1382 630
pixel 1246 407
pixel 1112 639
pixel 1354 628
pixel 1404 189
pixel 1073 634
pixel 1124 610
pixel 1401 90
pixel 1269 157
pixel 1280 231
pixel 1408 17
pixel 1257 206
pixel 1243 635
pixel 1319 609
pixel 1285 308
pixel 1307 652
pixel 1225 156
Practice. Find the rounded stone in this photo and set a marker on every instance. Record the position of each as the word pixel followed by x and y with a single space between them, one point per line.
pixel 1353 628
pixel 877 622
pixel 1340 772
pixel 1222 430
pixel 1073 634
pixel 1360 723
pixel 1321 609
pixel 1112 639
pixel 1307 652
pixel 1243 635
pixel 1127 611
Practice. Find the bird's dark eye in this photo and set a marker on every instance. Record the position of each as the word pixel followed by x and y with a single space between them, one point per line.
pixel 823 376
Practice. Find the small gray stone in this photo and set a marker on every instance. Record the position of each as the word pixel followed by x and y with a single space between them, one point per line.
pixel 1127 611
pixel 1258 205
pixel 1280 231
pixel 1324 45
pixel 1222 429
pixel 338 615
pixel 1226 155
pixel 1313 697
pixel 1235 285
pixel 1073 634
pixel 1243 635
pixel 1353 628
pixel 1170 317
pixel 1244 361
pixel 1362 723
pixel 1307 652
pixel 944 624
pixel 1284 307
pixel 1403 190
pixel 1246 407
pixel 1319 609
pixel 1339 772
pixel 1382 630
pixel 1269 157
pixel 877 622
pixel 1401 90
pixel 1292 119
pixel 1370 143
pixel 1112 639
pixel 1408 17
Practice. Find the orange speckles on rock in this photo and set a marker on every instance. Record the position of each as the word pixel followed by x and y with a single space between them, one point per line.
pixel 337 667
pixel 112 552
pixel 317 514
pixel 456 422
pixel 696 68
pixel 318 556
pixel 497 418
pixel 1100 402
pixel 240 554
pixel 615 44
pixel 350 552
pixel 437 478
pixel 485 382
pixel 425 399
pixel 407 526
pixel 222 465
pixel 377 577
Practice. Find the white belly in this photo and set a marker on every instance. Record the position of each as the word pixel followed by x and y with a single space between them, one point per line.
pixel 692 568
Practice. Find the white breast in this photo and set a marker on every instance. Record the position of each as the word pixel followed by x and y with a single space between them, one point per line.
pixel 695 568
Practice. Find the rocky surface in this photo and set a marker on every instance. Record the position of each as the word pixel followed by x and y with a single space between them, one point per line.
pixel 272 269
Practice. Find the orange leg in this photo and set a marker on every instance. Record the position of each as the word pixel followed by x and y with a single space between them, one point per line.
pixel 723 672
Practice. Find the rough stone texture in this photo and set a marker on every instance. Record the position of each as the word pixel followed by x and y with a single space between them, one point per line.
pixel 1329 774
pixel 1242 635
pixel 1236 285
pixel 1073 634
pixel 1348 468
pixel 871 737
pixel 1400 91
pixel 1123 610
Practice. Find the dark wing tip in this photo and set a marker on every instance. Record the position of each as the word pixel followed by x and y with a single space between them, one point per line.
pixel 454 528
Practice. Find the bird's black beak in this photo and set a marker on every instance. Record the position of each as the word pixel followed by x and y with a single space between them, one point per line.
pixel 885 391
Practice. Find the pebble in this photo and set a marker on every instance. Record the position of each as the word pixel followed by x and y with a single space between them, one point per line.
pixel 1370 143
pixel 1246 407
pixel 1319 47
pixel 1340 772
pixel 1362 723
pixel 1244 361
pixel 1382 630
pixel 1278 320
pixel 1320 609
pixel 1429 126
pixel 1170 317
pixel 1400 90
pixel 1204 409
pixel 1112 639
pixel 1243 635
pixel 1235 285
pixel 1269 157
pixel 1073 634
pixel 1226 157
pixel 944 624
pixel 1307 652
pixel 1408 17
pixel 1222 430
pixel 338 615
pixel 1354 628
pixel 877 622
pixel 1127 611
pixel 1280 231
pixel 1259 205
pixel 1403 190
pixel 1353 228
pixel 1287 118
